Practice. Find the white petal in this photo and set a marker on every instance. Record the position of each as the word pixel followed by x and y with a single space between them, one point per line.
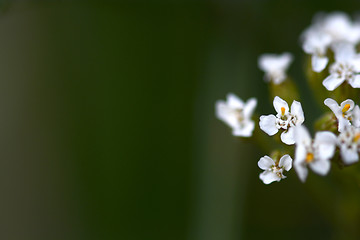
pixel 356 116
pixel 249 107
pixel 343 51
pixel 320 167
pixel 278 104
pixel 286 162
pixel 268 124
pixel 265 163
pixel 356 82
pixel 318 63
pixel 349 155
pixel 302 136
pixel 332 82
pixel 297 110
pixel 301 170
pixel 234 102
pixel 347 101
pixel 300 153
pixel 246 129
pixel 343 123
pixel 226 113
pixel 325 143
pixel 333 105
pixel 288 137
pixel 269 177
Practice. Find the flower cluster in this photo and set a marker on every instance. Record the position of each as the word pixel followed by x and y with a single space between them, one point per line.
pixel 332 42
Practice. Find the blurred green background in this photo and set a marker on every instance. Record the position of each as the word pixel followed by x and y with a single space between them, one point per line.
pixel 108 127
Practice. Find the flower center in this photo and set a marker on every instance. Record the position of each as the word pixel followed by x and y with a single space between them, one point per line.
pixel 282 111
pixel 346 108
pixel 356 137
pixel 343 70
pixel 309 157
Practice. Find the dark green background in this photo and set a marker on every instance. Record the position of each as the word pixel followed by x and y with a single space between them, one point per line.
pixel 108 128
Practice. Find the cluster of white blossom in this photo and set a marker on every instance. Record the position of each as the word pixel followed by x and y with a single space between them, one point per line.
pixel 329 34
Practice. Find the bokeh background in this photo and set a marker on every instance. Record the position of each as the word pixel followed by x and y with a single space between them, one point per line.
pixel 108 130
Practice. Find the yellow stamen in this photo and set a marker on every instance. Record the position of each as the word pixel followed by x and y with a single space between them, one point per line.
pixel 346 108
pixel 357 137
pixel 282 111
pixel 309 157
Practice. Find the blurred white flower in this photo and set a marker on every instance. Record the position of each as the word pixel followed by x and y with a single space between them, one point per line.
pixel 349 144
pixel 345 68
pixel 347 113
pixel 273 171
pixel 237 114
pixel 316 44
pixel 315 154
pixel 275 66
pixel 283 120
pixel 326 30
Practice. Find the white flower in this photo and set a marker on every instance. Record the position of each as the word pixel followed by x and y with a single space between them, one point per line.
pixel 315 154
pixel 237 114
pixel 283 120
pixel 273 171
pixel 316 43
pixel 326 30
pixel 275 66
pixel 345 68
pixel 347 113
pixel 340 27
pixel 349 144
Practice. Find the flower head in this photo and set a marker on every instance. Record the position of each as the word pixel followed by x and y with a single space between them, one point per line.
pixel 346 67
pixel 349 143
pixel 327 30
pixel 237 114
pixel 313 153
pixel 275 66
pixel 284 119
pixel 347 113
pixel 273 171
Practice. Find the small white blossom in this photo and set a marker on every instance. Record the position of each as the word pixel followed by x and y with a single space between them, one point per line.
pixel 316 44
pixel 273 171
pixel 345 68
pixel 349 144
pixel 284 119
pixel 237 114
pixel 327 30
pixel 347 113
pixel 275 66
pixel 313 153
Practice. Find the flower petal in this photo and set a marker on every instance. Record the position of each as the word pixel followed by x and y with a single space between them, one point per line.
pixel 249 107
pixel 347 101
pixel 234 102
pixel 356 116
pixel 332 82
pixel 225 113
pixel 325 143
pixel 246 130
pixel 318 63
pixel 279 104
pixel 302 136
pixel 286 162
pixel 348 155
pixel 320 167
pixel 265 163
pixel 297 110
pixel 343 123
pixel 355 83
pixel 269 177
pixel 268 124
pixel 301 170
pixel 288 137
pixel 333 105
